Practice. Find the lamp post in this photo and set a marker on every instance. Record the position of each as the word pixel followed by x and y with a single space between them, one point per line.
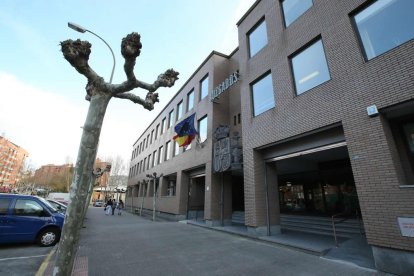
pixel 154 181
pixel 81 29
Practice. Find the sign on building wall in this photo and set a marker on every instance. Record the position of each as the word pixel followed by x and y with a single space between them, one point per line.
pixel 226 84
pixel 406 227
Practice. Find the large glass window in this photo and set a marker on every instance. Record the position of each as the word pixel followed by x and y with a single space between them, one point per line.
pixel 384 25
pixel 292 9
pixel 257 38
pixel 202 129
pixel 162 126
pixel 154 159
pixel 171 118
pixel 310 67
pixel 160 155
pixel 157 131
pixel 179 110
pixel 167 150
pixel 204 87
pixel 176 149
pixel 190 100
pixel 262 94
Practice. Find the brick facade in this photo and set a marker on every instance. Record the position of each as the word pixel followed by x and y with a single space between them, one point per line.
pixel 332 112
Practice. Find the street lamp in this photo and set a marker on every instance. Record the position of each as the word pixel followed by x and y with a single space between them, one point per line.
pixel 154 181
pixel 81 29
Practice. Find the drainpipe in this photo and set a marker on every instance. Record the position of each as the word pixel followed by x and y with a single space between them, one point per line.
pixel 267 199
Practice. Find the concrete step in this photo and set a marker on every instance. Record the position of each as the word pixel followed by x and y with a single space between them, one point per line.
pixel 321 225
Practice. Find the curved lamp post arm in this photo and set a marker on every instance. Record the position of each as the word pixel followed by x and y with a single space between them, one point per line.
pixel 81 29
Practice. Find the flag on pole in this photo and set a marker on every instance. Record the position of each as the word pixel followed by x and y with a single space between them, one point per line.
pixel 185 131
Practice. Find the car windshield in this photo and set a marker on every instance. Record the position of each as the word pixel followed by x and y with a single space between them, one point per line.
pixel 53 209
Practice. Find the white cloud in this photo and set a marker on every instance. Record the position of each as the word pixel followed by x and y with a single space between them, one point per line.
pixel 45 124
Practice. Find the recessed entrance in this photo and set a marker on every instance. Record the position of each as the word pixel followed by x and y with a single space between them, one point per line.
pixel 319 183
pixel 196 195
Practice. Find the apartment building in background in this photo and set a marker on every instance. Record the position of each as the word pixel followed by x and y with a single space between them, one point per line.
pixel 12 159
pixel 311 116
pixel 46 173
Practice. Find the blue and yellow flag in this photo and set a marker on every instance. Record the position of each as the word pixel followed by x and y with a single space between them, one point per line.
pixel 185 131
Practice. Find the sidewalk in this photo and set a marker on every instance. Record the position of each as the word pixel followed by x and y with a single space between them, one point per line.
pixel 356 250
pixel 133 245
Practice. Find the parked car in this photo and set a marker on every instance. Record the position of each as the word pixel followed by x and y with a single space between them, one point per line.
pixel 25 218
pixel 60 206
pixel 98 203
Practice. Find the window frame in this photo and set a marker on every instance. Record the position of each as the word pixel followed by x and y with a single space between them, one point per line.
pixel 188 100
pixel 354 24
pixel 251 31
pixel 205 78
pixel 299 51
pixel 256 81
pixel 284 16
pixel 198 128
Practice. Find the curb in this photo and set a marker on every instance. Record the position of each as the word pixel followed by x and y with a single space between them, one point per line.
pixel 42 269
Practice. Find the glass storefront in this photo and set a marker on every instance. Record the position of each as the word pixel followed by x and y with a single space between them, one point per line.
pixel 326 191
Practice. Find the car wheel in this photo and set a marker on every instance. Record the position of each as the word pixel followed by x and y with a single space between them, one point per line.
pixel 48 237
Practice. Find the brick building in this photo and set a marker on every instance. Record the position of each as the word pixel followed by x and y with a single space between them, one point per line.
pixel 45 174
pixel 321 94
pixel 11 163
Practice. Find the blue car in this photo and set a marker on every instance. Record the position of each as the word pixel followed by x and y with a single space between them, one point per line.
pixel 26 218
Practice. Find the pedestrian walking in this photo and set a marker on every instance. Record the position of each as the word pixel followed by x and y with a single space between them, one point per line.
pixel 120 207
pixel 113 206
pixel 108 210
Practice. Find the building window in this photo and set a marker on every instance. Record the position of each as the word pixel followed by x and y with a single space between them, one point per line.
pixel 154 159
pixel 239 118
pixel 141 167
pixel 310 67
pixel 152 136
pixel 149 162
pixel 262 94
pixel 145 141
pixel 202 129
pixel 403 132
pixel 190 100
pixel 257 38
pixel 160 155
pixel 148 138
pixel 384 25
pixel 162 126
pixel 176 149
pixel 179 110
pixel 204 87
pixel 293 9
pixel 167 150
pixel 171 118
pixel 171 188
pixel 157 131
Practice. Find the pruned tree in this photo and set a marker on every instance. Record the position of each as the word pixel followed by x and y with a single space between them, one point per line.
pixel 98 93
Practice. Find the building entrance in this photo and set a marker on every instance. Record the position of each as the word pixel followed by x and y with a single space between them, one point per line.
pixel 317 184
pixel 196 197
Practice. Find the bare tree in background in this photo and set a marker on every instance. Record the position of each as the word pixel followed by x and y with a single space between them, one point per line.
pixel 118 172
pixel 98 93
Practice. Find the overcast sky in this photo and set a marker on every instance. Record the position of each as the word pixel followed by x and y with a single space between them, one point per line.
pixel 42 98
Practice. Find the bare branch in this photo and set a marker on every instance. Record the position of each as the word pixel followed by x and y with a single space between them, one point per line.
pixel 166 79
pixel 148 103
pixel 77 53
